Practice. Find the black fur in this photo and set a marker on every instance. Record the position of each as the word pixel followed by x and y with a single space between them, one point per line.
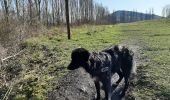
pixel 122 64
pixel 103 65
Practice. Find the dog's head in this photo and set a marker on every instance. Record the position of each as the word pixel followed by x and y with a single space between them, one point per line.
pixel 79 57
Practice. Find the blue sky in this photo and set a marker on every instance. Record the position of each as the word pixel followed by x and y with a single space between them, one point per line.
pixel 139 5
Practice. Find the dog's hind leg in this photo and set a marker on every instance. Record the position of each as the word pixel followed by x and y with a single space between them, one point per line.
pixel 97 85
pixel 120 77
pixel 126 86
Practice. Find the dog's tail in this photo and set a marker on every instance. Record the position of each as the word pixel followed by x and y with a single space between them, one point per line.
pixel 130 56
pixel 134 68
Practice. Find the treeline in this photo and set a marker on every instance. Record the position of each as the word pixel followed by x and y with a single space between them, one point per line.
pixel 20 19
pixel 52 12
pixel 166 11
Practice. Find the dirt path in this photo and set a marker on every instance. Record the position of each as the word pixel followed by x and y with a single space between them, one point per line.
pixel 78 85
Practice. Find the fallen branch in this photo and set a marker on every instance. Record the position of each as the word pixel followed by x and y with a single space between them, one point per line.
pixel 3 59
pixel 8 93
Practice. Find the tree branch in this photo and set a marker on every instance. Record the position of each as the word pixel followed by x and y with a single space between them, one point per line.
pixel 3 59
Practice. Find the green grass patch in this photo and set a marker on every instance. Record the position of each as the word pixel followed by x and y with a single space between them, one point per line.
pixel 154 38
pixel 46 57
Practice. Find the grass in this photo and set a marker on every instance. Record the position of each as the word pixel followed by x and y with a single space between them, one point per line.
pixel 154 76
pixel 46 57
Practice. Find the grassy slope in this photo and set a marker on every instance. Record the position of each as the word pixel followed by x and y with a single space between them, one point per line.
pixel 47 56
pixel 154 76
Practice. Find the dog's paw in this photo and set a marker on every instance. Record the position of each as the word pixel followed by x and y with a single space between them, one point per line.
pixel 122 95
pixel 96 98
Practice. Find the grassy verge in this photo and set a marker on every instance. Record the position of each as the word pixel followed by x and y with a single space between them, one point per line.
pixel 154 76
pixel 46 57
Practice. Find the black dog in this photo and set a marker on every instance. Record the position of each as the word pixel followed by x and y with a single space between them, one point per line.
pixel 103 65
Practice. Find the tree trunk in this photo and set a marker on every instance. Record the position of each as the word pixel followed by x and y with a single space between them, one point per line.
pixel 46 11
pixel 39 10
pixel 30 10
pixel 6 4
pixel 17 8
pixel 67 19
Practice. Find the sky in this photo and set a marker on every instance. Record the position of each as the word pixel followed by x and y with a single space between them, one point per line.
pixel 139 5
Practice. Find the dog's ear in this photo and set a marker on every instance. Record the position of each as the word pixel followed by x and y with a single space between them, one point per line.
pixel 84 55
pixel 80 55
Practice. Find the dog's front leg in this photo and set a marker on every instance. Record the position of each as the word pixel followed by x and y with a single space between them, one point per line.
pixel 107 88
pixel 97 85
pixel 126 87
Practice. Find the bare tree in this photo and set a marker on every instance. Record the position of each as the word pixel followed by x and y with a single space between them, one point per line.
pixel 52 12
pixel 30 10
pixel 46 11
pixel 23 10
pixel 38 8
pixel 166 11
pixel 17 3
pixel 6 8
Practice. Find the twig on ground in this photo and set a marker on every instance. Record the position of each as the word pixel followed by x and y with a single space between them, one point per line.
pixel 8 93
pixel 4 59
